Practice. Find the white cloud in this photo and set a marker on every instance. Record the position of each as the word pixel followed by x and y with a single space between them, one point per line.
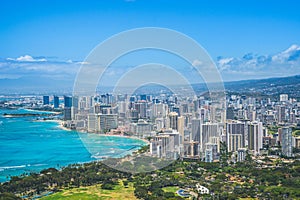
pixel 27 58
pixel 30 66
pixel 249 66
pixel 285 63
pixel 287 55
pixel 197 63
pixel 83 63
pixel 224 61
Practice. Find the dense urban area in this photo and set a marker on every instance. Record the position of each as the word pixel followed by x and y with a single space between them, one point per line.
pixel 249 148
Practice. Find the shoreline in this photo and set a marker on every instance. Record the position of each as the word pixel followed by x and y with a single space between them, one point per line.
pixel 42 111
pixel 132 137
pixel 60 125
pixel 58 121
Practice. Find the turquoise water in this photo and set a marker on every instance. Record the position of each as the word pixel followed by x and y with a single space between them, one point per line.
pixel 28 146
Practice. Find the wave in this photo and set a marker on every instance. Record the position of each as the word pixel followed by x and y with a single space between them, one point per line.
pixel 106 155
pixel 12 167
pixel 22 166
pixel 99 157
pixel 38 165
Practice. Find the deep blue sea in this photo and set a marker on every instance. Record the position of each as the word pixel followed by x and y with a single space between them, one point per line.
pixel 27 145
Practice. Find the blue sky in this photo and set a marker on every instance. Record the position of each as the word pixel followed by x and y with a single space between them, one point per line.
pixel 60 31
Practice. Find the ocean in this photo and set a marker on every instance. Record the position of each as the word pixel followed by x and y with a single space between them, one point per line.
pixel 27 145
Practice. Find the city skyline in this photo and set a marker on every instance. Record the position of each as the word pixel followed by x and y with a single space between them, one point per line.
pixel 149 99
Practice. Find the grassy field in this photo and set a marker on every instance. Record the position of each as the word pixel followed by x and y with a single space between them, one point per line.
pixel 95 192
pixel 171 189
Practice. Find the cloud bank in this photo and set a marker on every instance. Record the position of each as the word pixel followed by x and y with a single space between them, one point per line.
pixel 252 66
pixel 27 58
pixel 24 66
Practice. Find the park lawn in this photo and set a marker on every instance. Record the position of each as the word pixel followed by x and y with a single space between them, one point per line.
pixel 94 192
pixel 171 189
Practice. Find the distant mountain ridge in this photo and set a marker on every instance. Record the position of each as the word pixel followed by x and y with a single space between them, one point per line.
pixel 269 86
pixel 33 84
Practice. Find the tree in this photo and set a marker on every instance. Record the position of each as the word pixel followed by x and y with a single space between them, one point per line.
pixel 248 158
pixel 141 192
pixel 125 182
pixel 8 196
pixel 107 186
pixel 169 195
pixel 223 154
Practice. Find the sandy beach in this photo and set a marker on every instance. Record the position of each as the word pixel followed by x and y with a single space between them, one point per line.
pixel 132 137
pixel 60 125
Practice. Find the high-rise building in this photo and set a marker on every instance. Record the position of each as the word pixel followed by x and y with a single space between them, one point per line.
pixel 176 109
pixel 46 100
pixel 85 103
pixel 160 123
pixel 284 97
pixel 158 110
pixel 143 97
pixel 132 99
pixel 255 136
pixel 107 121
pixel 141 107
pixel 203 114
pixel 67 108
pixel 166 145
pixel 212 114
pixel 67 113
pixel 236 135
pixel 230 112
pixel 196 130
pixel 280 113
pixel 211 152
pixel 196 105
pixel 109 99
pixel 173 120
pixel 241 154
pixel 286 141
pixel 143 128
pixel 102 108
pixel 208 131
pixel 106 99
pixel 235 142
pixel 297 142
pixel 92 123
pixel 67 101
pixel 74 108
pixel 184 108
pixel 181 127
pixel 208 155
pixel 56 101
pixel 122 107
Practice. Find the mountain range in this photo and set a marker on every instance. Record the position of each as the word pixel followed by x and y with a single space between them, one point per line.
pixel 267 87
